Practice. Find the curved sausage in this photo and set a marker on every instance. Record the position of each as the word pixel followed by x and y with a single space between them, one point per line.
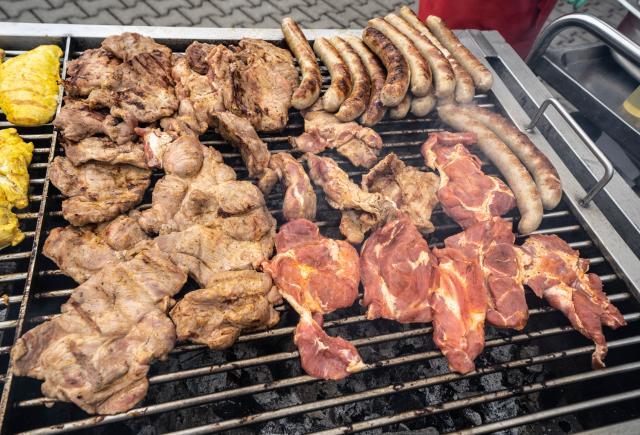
pixel 340 81
pixel 396 83
pixel 356 102
pixel 444 81
pixel 401 110
pixel 481 75
pixel 309 90
pixel 545 175
pixel 421 106
pixel 375 109
pixel 464 90
pixel 420 72
pixel 518 179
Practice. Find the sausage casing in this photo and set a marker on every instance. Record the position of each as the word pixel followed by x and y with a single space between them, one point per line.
pixel 396 82
pixel 375 109
pixel 420 72
pixel 309 89
pixel 356 103
pixel 516 175
pixel 481 75
pixel 444 81
pixel 401 110
pixel 340 80
pixel 421 106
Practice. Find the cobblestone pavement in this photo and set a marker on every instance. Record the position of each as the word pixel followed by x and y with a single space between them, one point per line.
pixel 248 13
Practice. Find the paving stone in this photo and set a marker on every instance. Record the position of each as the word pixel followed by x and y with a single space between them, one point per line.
pixel 93 7
pixel 103 17
pixel 197 13
pixel 171 18
pixel 26 17
pixel 268 23
pixel 128 16
pixel 164 6
pixel 15 8
pixel 236 18
pixel 258 13
pixel 69 10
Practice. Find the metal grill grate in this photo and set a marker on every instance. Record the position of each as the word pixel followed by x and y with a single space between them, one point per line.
pixel 523 377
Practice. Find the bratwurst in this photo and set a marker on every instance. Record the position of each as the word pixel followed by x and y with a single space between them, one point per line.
pixel 356 102
pixel 397 81
pixel 309 90
pixel 340 80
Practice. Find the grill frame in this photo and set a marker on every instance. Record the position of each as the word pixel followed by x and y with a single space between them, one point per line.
pixel 517 104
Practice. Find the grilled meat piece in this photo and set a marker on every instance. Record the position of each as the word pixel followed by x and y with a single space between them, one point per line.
pixel 232 302
pixel 458 304
pixel 411 190
pixel 81 252
pixel 77 120
pixel 299 198
pixel 264 81
pixel 97 192
pixel 179 154
pixel 89 71
pixel 97 353
pixel 491 243
pixel 141 88
pixel 559 275
pixel 196 55
pixel 398 271
pixel 467 195
pixel 361 145
pixel 239 133
pixel 317 275
pixel 368 209
pixel 102 149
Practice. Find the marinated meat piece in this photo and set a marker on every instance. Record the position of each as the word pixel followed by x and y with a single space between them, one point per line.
pixel 299 198
pixel 141 88
pixel 559 275
pixel 398 271
pixel 411 190
pixel 97 353
pixel 343 194
pixel 77 120
pixel 205 252
pixel 458 305
pixel 467 195
pixel 97 192
pixel 103 149
pixel 196 55
pixel 89 71
pixel 178 154
pixel 81 252
pixel 221 66
pixel 232 302
pixel 317 275
pixel 264 81
pixel 491 243
pixel 361 145
pixel 239 133
pixel 199 98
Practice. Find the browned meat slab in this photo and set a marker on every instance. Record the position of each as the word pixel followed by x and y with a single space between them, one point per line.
pixel 102 149
pixel 90 71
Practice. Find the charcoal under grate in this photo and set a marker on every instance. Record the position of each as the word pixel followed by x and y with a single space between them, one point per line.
pixel 537 379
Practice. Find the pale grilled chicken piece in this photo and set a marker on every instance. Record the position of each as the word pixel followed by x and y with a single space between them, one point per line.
pixel 178 153
pixel 97 353
pixel 467 195
pixel 232 302
pixel 317 275
pixel 299 198
pixel 491 243
pixel 398 271
pixel 558 274
pixel 412 191
pixel 97 192
pixel 81 252
pixel 89 71
pixel 362 210
pixel 458 305
pixel 361 145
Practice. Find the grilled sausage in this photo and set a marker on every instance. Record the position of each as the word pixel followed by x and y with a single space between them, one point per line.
pixel 519 180
pixel 375 109
pixel 396 83
pixel 464 90
pixel 481 75
pixel 421 106
pixel 543 172
pixel 420 72
pixel 401 110
pixel 444 81
pixel 309 90
pixel 340 81
pixel 356 102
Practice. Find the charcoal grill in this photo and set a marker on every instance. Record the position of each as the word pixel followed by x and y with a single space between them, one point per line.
pixel 537 379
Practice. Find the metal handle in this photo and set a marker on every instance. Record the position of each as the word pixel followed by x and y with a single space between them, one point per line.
pixel 608 166
pixel 591 24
